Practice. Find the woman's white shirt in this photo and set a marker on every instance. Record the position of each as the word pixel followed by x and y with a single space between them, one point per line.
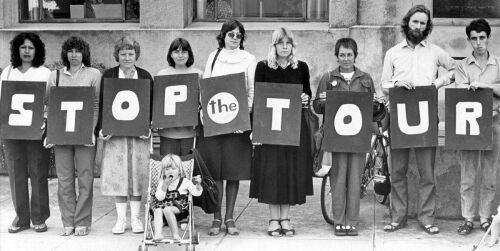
pixel 40 74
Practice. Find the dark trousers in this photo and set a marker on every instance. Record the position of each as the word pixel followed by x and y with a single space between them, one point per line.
pixel 426 157
pixel 180 147
pixel 28 158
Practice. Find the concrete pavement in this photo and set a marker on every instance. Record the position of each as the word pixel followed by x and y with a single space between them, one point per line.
pixel 313 233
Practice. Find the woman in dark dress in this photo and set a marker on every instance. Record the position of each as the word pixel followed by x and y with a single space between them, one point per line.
pixel 282 175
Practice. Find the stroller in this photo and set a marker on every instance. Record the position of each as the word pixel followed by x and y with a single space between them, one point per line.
pixel 189 237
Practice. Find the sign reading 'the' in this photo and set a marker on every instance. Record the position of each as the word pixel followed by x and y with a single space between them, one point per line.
pixel 413 117
pixel 225 104
pixel 21 110
pixel 277 114
pixel 126 107
pixel 348 118
pixel 70 115
pixel 468 119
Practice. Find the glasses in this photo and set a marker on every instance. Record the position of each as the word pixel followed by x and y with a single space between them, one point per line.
pixel 234 35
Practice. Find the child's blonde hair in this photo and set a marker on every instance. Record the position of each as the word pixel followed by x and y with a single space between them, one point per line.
pixel 175 161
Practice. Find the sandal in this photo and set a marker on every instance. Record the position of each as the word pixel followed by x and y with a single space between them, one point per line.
pixel 215 228
pixel 351 230
pixel 339 230
pixel 465 228
pixel 14 229
pixel 276 232
pixel 485 225
pixel 40 227
pixel 67 231
pixel 82 231
pixel 231 228
pixel 431 229
pixel 287 232
pixel 393 227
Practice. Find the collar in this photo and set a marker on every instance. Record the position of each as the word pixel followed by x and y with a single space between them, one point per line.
pixel 472 60
pixel 66 71
pixel 357 73
pixel 423 43
pixel 121 74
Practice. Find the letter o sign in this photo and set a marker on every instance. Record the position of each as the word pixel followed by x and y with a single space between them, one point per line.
pixel 128 113
pixel 222 108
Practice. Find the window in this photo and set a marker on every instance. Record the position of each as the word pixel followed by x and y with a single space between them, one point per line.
pixel 466 9
pixel 78 10
pixel 262 10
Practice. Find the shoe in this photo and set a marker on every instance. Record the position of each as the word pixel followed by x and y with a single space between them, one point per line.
pixel 394 226
pixel 82 231
pixel 67 231
pixel 231 228
pixel 339 230
pixel 40 227
pixel 351 230
pixel 120 226
pixel 276 232
pixel 465 228
pixel 287 232
pixel 14 229
pixel 485 225
pixel 215 228
pixel 158 238
pixel 137 226
pixel 431 229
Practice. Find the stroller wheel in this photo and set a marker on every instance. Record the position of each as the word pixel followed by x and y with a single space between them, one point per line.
pixel 190 247
pixel 143 247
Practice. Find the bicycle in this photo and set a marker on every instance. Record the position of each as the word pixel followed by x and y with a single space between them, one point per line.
pixel 376 168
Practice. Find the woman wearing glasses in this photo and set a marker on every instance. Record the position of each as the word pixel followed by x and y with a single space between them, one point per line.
pixel 282 174
pixel 228 156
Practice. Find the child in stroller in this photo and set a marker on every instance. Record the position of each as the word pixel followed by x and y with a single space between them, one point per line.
pixel 172 193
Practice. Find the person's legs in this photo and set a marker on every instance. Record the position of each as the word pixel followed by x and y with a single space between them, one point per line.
pixel 489 166
pixel 66 194
pixel 338 181
pixel 469 164
pixel 158 223
pixel 274 228
pixel 354 171
pixel 84 160
pixel 121 215
pixel 170 213
pixel 399 186
pixel 286 227
pixel 135 212
pixel 426 158
pixel 15 160
pixel 38 166
pixel 217 222
pixel 232 187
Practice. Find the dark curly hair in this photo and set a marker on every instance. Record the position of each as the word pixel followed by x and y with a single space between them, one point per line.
pixel 405 26
pixel 80 45
pixel 228 26
pixel 478 25
pixel 180 43
pixel 15 57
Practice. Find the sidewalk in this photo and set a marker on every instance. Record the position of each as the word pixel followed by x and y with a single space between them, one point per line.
pixel 313 233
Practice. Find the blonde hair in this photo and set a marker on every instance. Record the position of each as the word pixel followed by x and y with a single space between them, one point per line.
pixel 175 161
pixel 278 36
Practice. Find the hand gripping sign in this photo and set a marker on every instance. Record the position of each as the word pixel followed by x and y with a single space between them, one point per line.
pixel 175 100
pixel 413 117
pixel 348 118
pixel 126 107
pixel 277 114
pixel 225 104
pixel 70 115
pixel 21 110
pixel 468 119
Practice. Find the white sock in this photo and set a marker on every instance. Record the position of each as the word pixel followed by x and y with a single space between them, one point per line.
pixel 121 210
pixel 135 209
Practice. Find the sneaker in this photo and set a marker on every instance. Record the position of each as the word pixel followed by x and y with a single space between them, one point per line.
pixel 119 227
pixel 137 226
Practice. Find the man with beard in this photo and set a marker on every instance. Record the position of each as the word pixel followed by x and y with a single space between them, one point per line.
pixel 414 62
pixel 479 70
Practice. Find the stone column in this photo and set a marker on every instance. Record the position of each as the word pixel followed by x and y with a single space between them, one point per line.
pixel 343 13
pixel 169 14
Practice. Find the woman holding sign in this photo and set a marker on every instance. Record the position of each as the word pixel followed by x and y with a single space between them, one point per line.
pixel 228 156
pixel 346 170
pixel 76 211
pixel 27 157
pixel 282 174
pixel 125 160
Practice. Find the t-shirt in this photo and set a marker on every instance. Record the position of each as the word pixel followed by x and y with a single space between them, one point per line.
pixel 41 74
pixel 347 76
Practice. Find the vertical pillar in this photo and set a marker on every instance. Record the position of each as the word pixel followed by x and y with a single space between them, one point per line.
pixel 170 14
pixel 343 13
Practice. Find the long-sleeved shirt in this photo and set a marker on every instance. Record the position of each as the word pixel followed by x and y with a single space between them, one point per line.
pixel 85 76
pixel 187 187
pixel 468 71
pixel 417 65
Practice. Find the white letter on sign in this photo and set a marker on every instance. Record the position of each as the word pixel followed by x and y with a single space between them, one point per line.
pixel 71 107
pixel 174 94
pixel 463 116
pixel 25 117
pixel 129 113
pixel 277 105
pixel 351 128
pixel 423 107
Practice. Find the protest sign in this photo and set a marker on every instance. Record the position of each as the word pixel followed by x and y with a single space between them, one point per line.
pixel 277 114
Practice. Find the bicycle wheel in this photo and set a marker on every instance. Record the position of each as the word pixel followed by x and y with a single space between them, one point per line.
pixel 380 164
pixel 326 200
pixel 366 176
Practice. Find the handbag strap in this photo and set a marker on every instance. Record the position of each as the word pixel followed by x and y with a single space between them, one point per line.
pixel 215 59
pixel 57 77
pixel 201 164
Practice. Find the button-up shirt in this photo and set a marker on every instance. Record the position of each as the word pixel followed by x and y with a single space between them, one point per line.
pixel 468 71
pixel 417 65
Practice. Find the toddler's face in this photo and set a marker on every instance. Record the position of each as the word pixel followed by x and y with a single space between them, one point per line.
pixel 171 173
